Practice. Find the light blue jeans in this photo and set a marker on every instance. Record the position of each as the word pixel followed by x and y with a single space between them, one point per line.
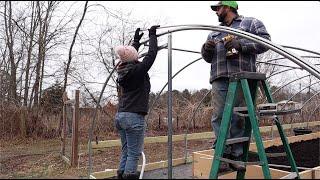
pixel 219 95
pixel 131 127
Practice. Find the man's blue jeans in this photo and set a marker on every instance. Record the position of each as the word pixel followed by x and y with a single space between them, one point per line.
pixel 219 95
pixel 131 127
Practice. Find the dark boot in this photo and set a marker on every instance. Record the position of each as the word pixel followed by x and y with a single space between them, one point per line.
pixel 237 167
pixel 120 174
pixel 223 165
pixel 131 175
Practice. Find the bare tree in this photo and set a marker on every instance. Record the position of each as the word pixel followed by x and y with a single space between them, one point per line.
pixel 34 37
pixel 9 42
pixel 43 24
pixel 72 44
pixel 268 69
pixel 33 24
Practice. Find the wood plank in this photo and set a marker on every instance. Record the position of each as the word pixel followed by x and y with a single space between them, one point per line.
pixel 306 174
pixel 291 175
pixel 201 165
pixel 158 139
pixel 67 160
pixel 104 174
pixel 149 167
pixel 194 136
pixel 316 173
pixel 255 172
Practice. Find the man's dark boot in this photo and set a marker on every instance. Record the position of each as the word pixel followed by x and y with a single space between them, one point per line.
pixel 223 165
pixel 236 167
pixel 119 174
pixel 131 175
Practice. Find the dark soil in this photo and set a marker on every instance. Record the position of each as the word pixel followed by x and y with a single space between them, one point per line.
pixel 305 153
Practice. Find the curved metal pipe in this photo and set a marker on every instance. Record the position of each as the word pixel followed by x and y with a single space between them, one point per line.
pixel 307 101
pixel 296 59
pixel 298 93
pixel 301 112
pixel 283 72
pixel 292 68
pixel 188 125
pixel 314 111
pixel 275 59
pixel 310 99
pixel 277 48
pixel 301 49
pixel 281 65
pixel 258 62
pixel 156 99
pixel 94 117
pixel 303 107
pixel 289 83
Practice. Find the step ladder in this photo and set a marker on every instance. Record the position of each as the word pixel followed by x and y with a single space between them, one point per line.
pixel 243 79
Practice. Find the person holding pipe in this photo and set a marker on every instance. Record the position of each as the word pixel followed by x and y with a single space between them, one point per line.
pixel 228 54
pixel 134 89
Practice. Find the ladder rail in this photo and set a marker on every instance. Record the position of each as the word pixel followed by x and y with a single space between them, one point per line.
pixel 221 139
pixel 255 128
pixel 282 134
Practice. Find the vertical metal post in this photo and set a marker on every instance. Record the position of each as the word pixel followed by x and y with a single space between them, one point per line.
pixel 75 124
pixel 64 123
pixel 169 106
pixel 309 95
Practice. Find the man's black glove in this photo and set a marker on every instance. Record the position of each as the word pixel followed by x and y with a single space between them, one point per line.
pixel 209 45
pixel 234 43
pixel 137 36
pixel 153 30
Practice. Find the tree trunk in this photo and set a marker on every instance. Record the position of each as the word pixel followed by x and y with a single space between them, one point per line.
pixel 45 30
pixel 70 54
pixel 72 44
pixel 32 30
pixel 9 39
pixel 38 66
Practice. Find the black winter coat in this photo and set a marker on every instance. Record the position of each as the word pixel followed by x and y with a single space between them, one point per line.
pixel 134 81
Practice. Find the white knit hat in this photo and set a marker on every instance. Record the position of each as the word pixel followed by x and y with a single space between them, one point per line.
pixel 126 53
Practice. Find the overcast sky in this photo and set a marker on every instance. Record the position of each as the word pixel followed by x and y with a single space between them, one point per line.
pixel 288 23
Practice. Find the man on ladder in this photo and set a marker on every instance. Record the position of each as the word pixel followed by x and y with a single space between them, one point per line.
pixel 233 69
pixel 228 55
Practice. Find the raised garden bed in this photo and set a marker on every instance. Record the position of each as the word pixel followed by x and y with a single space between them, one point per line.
pixel 306 154
pixel 305 149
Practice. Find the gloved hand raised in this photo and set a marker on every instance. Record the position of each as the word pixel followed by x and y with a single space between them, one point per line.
pixel 137 36
pixel 209 45
pixel 153 30
pixel 234 43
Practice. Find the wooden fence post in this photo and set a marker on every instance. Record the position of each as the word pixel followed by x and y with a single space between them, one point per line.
pixel 64 124
pixel 177 122
pixel 23 119
pixel 75 133
pixel 159 122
